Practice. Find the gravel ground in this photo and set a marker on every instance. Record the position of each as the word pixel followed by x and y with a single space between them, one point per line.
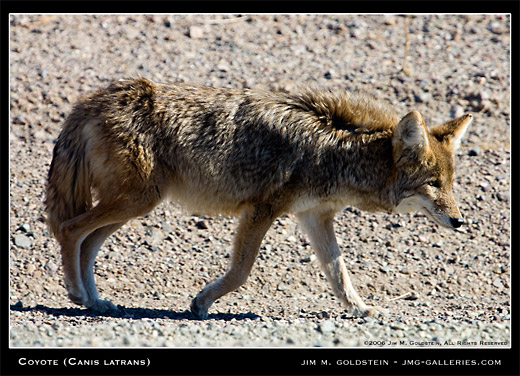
pixel 439 285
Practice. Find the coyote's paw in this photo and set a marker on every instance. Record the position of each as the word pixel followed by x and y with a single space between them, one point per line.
pixel 101 306
pixel 370 311
pixel 76 299
pixel 200 312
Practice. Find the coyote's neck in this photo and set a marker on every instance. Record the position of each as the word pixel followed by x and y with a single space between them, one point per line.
pixel 351 171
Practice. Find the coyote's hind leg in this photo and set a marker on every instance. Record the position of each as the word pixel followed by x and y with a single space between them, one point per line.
pixel 89 250
pixel 319 227
pixel 81 237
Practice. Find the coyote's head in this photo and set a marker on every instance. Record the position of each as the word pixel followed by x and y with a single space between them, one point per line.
pixel 424 167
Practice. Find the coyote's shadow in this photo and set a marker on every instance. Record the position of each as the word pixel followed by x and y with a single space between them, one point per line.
pixel 133 313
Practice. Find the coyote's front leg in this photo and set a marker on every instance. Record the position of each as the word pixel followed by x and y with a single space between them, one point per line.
pixel 318 226
pixel 254 223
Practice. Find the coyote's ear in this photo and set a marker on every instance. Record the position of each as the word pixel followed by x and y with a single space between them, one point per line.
pixel 451 132
pixel 411 136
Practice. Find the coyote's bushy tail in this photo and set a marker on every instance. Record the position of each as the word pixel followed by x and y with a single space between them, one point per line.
pixel 68 184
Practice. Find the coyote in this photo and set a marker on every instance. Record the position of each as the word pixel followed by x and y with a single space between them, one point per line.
pixel 253 153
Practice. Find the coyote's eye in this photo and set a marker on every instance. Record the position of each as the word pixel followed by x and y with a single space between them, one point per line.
pixel 434 183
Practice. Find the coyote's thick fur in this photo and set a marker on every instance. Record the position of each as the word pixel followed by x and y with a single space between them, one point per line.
pixel 258 154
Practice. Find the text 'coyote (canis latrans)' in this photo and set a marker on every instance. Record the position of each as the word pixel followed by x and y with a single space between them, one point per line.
pixel 257 154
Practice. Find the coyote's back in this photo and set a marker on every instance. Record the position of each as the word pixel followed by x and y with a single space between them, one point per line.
pixel 258 154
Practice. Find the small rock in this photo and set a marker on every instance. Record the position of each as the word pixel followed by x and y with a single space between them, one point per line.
pixel 196 32
pixel 308 258
pixel 132 33
pixel 156 235
pixel 385 269
pixel 398 326
pixel 25 228
pixel 40 135
pixel 503 196
pixel 201 225
pixel 20 119
pixel 327 326
pixel 166 227
pixel 355 33
pixel 52 267
pixel 129 340
pixel 438 244
pixel 483 95
pixel 223 66
pixel 475 151
pixel 422 97
pixel 403 78
pixel 389 20
pixel 412 296
pixel 484 186
pixel 448 269
pixel 497 28
pixel 30 268
pixel 22 241
pixel 323 314
pixel 292 239
pixel 457 111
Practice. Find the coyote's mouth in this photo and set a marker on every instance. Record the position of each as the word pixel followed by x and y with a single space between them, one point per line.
pixel 436 219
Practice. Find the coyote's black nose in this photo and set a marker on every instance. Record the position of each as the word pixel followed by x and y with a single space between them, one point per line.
pixel 456 222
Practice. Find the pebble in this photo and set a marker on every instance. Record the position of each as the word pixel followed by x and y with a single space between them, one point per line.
pixel 504 196
pixel 132 33
pixel 201 225
pixel 484 186
pixel 30 268
pixel 196 32
pixel 308 258
pixel 457 111
pixel 20 119
pixel 25 228
pixel 497 28
pixel 22 241
pixel 51 266
pixel 390 20
pixel 497 282
pixel 167 227
pixel 327 326
pixel 422 97
pixel 385 269
pixel 475 151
